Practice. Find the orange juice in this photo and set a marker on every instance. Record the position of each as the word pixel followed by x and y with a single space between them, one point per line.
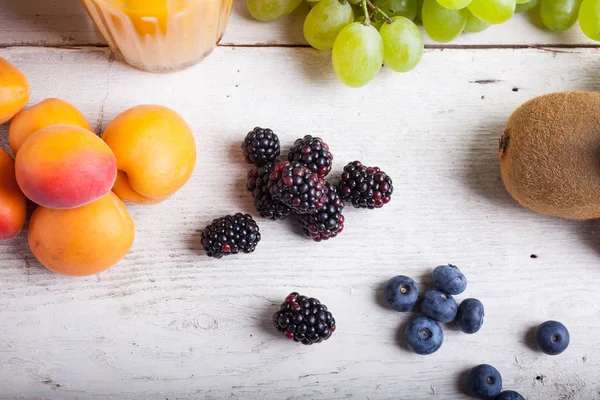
pixel 160 35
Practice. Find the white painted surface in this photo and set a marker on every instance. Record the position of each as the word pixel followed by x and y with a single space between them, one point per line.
pixel 170 323
pixel 65 23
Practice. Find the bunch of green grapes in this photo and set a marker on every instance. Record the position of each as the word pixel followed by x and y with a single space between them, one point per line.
pixel 364 34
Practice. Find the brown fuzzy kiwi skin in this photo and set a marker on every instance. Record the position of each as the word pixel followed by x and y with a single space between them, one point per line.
pixel 550 155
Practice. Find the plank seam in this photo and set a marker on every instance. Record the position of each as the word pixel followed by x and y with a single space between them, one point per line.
pixel 269 45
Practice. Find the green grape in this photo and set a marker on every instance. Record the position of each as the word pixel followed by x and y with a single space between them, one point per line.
pixel 270 10
pixel 522 7
pixel 402 44
pixel 454 4
pixel 475 25
pixel 357 54
pixel 493 11
pixel 325 21
pixel 354 2
pixel 589 18
pixel 559 15
pixel 395 8
pixel 441 24
pixel 522 1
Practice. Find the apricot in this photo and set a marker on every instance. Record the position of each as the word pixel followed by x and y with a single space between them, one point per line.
pixel 84 240
pixel 14 90
pixel 45 113
pixel 13 204
pixel 65 166
pixel 155 151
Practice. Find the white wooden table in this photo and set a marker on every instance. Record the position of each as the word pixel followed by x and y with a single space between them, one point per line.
pixel 170 323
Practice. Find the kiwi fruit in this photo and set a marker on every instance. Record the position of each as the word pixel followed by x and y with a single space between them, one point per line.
pixel 550 155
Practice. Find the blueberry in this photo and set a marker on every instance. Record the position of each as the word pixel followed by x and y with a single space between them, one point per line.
pixel 552 337
pixel 469 317
pixel 509 395
pixel 439 306
pixel 424 335
pixel 484 382
pixel 449 279
pixel 401 293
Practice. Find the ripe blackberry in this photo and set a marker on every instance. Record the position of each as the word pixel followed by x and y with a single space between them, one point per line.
pixel 365 187
pixel 314 153
pixel 230 235
pixel 297 187
pixel 304 319
pixel 260 146
pixel 328 222
pixel 258 179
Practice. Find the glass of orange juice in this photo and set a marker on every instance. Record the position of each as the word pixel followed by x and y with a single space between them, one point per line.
pixel 160 35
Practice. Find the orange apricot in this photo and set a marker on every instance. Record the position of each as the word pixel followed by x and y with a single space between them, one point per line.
pixel 84 240
pixel 13 204
pixel 65 166
pixel 14 90
pixel 45 113
pixel 155 152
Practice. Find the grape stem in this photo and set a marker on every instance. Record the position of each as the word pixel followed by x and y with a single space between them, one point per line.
pixel 367 20
pixel 379 10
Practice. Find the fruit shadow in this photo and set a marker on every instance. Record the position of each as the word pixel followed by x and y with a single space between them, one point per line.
pixel 265 319
pixel 293 225
pixel 380 295
pixel 194 241
pixel 4 138
pixel 400 339
pixel 589 233
pixel 461 382
pixel 315 66
pixel 289 28
pixel 425 282
pixel 482 172
pixel 33 13
pixel 245 200
pixel 241 8
pixel 529 339
pixel 19 248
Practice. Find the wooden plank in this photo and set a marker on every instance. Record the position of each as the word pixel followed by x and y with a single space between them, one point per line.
pixel 65 23
pixel 168 322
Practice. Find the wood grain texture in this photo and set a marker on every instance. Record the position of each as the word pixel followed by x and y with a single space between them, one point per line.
pixel 170 323
pixel 65 23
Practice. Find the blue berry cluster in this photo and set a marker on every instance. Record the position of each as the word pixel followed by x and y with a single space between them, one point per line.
pixel 424 335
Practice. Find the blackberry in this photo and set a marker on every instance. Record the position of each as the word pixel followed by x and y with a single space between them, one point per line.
pixel 258 179
pixel 297 187
pixel 304 319
pixel 365 187
pixel 230 235
pixel 261 146
pixel 328 222
pixel 314 153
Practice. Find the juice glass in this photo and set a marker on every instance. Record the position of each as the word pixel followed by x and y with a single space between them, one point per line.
pixel 160 35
